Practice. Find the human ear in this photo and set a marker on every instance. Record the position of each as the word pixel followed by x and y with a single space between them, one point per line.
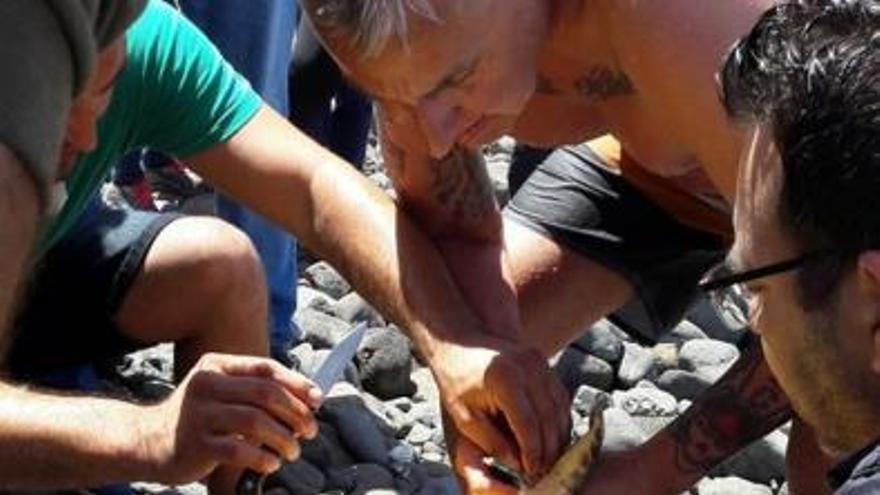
pixel 869 275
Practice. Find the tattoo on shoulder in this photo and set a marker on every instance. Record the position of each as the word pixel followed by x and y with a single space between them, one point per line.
pixel 462 186
pixel 601 83
pixel 745 404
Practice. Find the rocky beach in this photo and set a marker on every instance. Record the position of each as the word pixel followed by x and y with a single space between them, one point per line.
pixel 380 428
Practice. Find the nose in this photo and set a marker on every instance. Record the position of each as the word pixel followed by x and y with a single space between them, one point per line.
pixel 442 125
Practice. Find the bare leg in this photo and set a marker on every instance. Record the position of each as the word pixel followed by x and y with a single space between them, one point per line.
pixel 201 287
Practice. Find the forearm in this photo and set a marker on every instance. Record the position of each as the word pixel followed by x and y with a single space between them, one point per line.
pixel 452 199
pixel 19 211
pixel 343 217
pixel 389 259
pixel 743 406
pixel 60 442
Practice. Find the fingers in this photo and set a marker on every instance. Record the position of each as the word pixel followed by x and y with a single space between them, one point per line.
pixel 476 479
pixel 257 427
pixel 266 395
pixel 536 407
pixel 562 405
pixel 552 405
pixel 485 435
pixel 522 416
pixel 294 382
pixel 235 451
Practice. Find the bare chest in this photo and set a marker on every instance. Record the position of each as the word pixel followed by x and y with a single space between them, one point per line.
pixel 581 104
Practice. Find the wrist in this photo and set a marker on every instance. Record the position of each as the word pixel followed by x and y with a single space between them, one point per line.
pixel 142 439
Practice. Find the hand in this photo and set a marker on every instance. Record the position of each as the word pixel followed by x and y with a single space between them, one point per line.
pixel 225 409
pixel 494 388
pixel 467 460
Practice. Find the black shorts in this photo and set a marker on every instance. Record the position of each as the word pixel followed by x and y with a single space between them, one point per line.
pixel 67 317
pixel 573 197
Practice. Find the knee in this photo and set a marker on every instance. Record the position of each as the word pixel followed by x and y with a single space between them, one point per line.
pixel 223 263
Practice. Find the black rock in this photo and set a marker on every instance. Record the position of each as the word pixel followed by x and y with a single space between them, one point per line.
pixel 358 428
pixel 326 279
pixel 360 478
pixel 353 308
pixel 298 478
pixel 683 384
pixel 576 368
pixel 384 360
pixel 326 450
pixel 320 329
pixel 601 341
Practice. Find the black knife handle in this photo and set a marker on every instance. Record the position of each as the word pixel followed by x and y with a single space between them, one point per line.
pixel 250 483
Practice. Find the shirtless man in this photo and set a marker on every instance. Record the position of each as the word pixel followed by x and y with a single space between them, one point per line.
pixel 579 240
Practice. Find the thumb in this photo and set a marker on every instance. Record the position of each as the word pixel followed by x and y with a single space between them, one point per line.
pixel 491 436
pixel 473 475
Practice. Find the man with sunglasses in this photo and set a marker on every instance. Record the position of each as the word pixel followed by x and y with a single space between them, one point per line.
pixel 807 81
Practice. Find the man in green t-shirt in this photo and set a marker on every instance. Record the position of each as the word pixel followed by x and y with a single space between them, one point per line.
pixel 110 281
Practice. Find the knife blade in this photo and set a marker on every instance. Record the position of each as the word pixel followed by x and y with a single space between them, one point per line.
pixel 334 364
pixel 328 373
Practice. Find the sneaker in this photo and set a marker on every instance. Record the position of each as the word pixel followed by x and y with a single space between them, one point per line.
pixel 139 195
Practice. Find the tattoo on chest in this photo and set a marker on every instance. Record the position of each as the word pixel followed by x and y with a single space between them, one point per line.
pixel 602 83
pixel 544 86
pixel 744 405
pixel 462 186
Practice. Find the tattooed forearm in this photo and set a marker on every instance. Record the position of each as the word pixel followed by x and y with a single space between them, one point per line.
pixel 462 186
pixel 451 196
pixel 602 83
pixel 744 405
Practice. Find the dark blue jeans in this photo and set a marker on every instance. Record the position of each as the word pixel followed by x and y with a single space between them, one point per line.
pixel 255 37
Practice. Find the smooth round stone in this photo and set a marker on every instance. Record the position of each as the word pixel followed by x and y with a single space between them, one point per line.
pixel 637 364
pixel 731 486
pixel 326 279
pixel 702 353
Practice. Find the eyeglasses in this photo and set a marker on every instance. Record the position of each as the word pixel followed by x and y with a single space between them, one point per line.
pixel 731 297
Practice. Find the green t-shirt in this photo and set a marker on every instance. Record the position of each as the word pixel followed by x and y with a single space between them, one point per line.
pixel 176 94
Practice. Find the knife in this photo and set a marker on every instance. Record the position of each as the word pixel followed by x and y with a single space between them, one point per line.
pixel 328 373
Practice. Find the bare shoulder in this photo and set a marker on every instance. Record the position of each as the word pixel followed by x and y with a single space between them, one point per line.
pixel 681 23
pixel 671 50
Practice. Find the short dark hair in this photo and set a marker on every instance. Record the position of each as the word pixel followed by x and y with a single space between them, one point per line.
pixel 810 71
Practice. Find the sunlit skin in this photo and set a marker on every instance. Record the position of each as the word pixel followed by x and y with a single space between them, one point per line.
pixel 825 358
pixel 588 67
pixel 82 130
pixel 551 73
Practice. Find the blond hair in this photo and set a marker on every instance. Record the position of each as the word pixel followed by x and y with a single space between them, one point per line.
pixel 368 25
